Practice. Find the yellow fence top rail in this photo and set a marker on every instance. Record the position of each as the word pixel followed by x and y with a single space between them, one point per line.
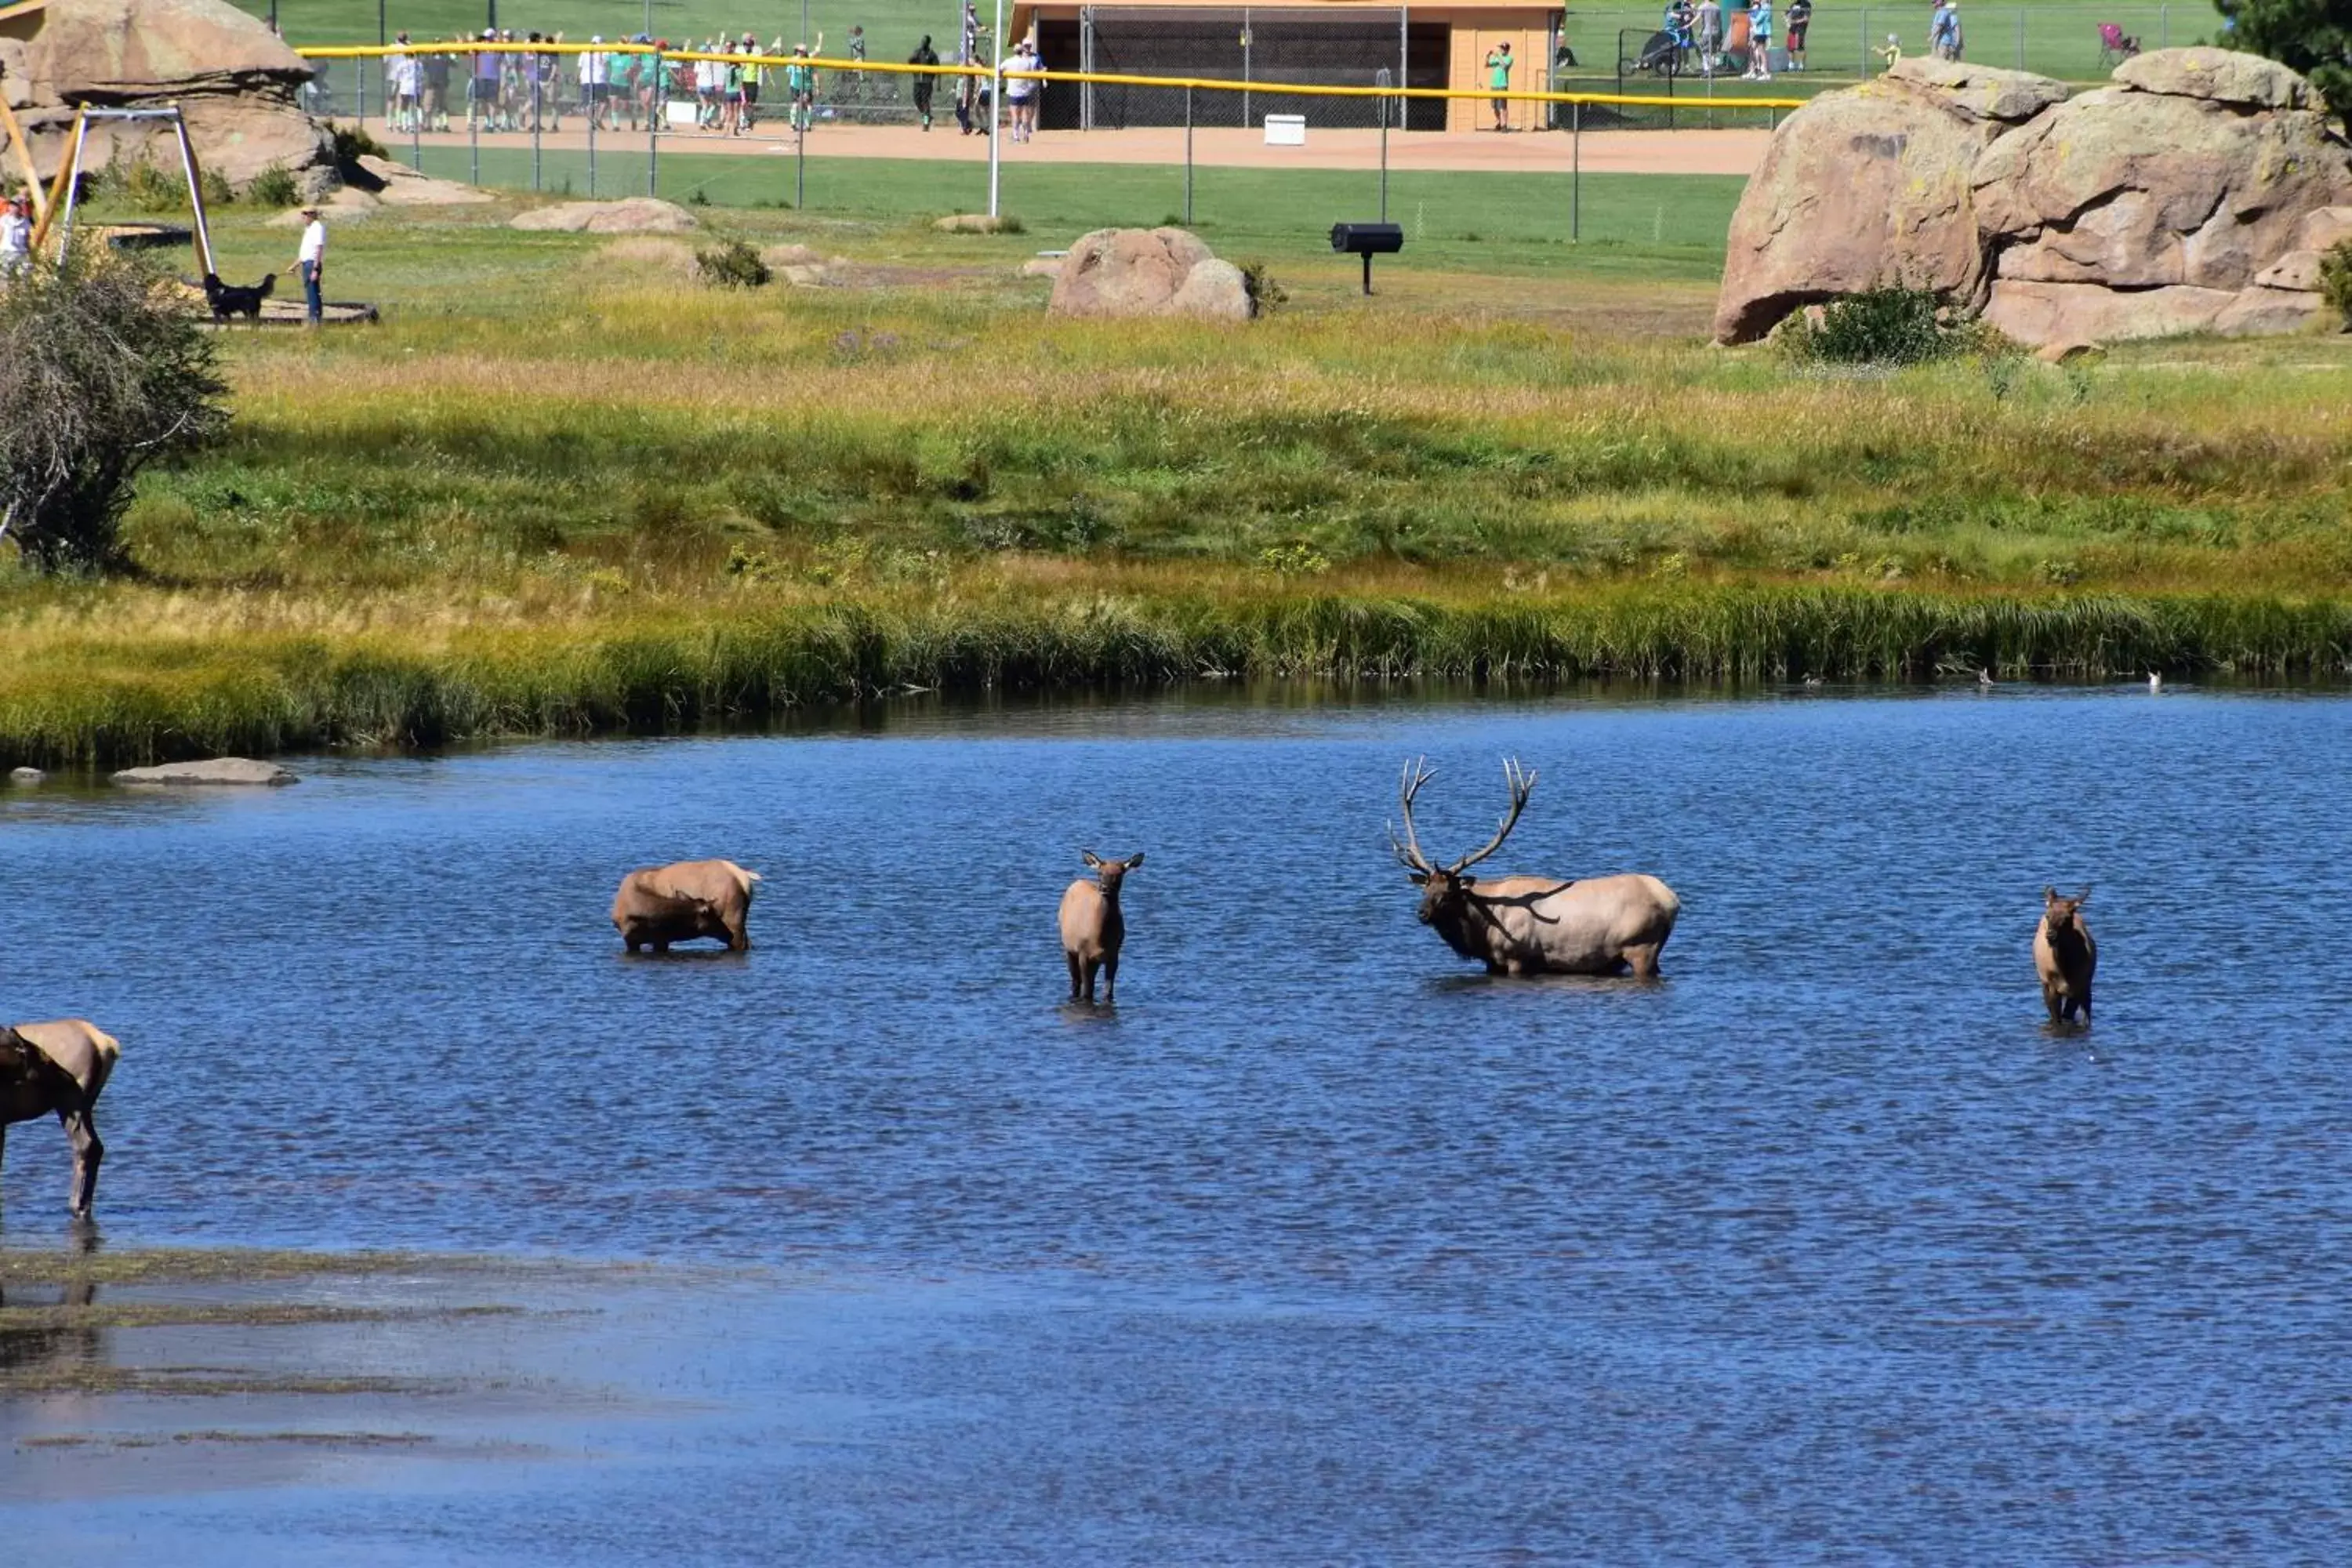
pixel 1204 84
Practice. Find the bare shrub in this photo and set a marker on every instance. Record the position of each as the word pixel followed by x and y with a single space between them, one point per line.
pixel 102 371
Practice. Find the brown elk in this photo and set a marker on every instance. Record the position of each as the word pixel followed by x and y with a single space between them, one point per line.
pixel 1534 925
pixel 58 1069
pixel 680 902
pixel 1093 929
pixel 2065 956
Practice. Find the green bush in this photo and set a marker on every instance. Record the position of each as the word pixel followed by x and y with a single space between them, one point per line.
pixel 1265 295
pixel 140 185
pixel 731 265
pixel 1889 325
pixel 273 188
pixel 218 191
pixel 352 143
pixel 2335 281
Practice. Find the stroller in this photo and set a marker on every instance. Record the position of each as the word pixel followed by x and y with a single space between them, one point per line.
pixel 2114 46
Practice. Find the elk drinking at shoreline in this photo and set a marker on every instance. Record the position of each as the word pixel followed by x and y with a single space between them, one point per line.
pixel 58 1069
pixel 1093 927
pixel 2064 956
pixel 1533 925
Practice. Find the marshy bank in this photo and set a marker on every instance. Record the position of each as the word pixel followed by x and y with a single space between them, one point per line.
pixel 204 678
pixel 557 494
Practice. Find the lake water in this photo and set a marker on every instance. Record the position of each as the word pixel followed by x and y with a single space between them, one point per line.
pixel 1323 1246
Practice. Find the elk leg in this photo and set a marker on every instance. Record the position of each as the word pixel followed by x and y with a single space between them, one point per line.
pixel 1644 961
pixel 1077 980
pixel 88 1155
pixel 738 939
pixel 1110 978
pixel 1092 966
pixel 2086 1006
pixel 2050 999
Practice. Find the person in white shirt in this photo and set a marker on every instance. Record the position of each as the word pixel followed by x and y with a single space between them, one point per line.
pixel 592 81
pixel 312 265
pixel 1021 95
pixel 16 238
pixel 401 74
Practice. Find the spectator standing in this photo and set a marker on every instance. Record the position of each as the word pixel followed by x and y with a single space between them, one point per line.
pixel 1759 40
pixel 618 67
pixel 1944 32
pixel 924 54
pixel 432 103
pixel 592 79
pixel 856 59
pixel 483 107
pixel 16 236
pixel 395 71
pixel 310 263
pixel 751 90
pixel 1498 79
pixel 1019 93
pixel 1707 23
pixel 1800 16
pixel 800 82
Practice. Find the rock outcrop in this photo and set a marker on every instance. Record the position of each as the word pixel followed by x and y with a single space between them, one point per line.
pixel 233 80
pixel 1870 185
pixel 1132 272
pixel 634 215
pixel 2177 200
pixel 217 771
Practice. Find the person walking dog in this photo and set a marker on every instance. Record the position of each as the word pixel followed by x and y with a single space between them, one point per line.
pixel 312 265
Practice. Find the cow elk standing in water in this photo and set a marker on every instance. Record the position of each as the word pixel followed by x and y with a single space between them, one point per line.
pixel 2065 956
pixel 1093 927
pixel 680 902
pixel 1536 925
pixel 58 1069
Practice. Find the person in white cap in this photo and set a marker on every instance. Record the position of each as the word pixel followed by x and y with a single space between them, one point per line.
pixel 310 263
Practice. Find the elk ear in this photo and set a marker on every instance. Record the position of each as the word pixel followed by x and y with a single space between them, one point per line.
pixel 2048 895
pixel 1134 859
pixel 2085 896
pixel 1467 881
pixel 1418 878
pixel 1090 858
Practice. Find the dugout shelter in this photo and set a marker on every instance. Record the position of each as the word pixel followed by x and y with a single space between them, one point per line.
pixel 1338 43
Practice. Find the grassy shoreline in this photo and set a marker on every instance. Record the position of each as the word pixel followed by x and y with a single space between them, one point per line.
pixel 565 490
pixel 754 663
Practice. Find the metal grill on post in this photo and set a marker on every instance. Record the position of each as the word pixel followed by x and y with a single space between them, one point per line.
pixel 1368 240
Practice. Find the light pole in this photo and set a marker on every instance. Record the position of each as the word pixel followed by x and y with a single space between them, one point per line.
pixel 995 98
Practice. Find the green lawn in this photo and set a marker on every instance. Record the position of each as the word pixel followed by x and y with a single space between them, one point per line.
pixel 1477 219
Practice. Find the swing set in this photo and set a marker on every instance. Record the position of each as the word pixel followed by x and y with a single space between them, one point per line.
pixel 53 209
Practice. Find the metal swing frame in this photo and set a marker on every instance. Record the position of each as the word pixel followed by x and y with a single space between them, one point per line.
pixel 64 196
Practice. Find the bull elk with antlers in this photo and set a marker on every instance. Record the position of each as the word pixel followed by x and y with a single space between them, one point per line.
pixel 1535 925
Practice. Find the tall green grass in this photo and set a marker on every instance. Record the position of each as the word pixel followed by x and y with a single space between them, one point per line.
pixel 753 663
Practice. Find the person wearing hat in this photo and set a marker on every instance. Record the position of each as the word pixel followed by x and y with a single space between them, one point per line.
pixel 310 263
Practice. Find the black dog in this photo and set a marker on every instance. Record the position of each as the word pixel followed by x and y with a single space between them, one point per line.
pixel 227 299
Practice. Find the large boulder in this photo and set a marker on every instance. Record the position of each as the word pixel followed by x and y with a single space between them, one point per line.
pixel 2170 201
pixel 233 80
pixel 1870 186
pixel 2217 76
pixel 634 215
pixel 1128 272
pixel 2033 311
pixel 2140 189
